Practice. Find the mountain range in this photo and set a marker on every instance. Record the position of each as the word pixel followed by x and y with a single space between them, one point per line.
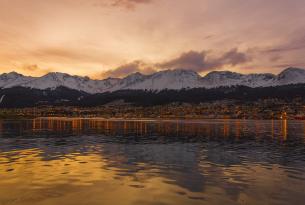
pixel 163 80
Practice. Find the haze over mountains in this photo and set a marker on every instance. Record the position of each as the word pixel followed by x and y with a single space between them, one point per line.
pixel 163 80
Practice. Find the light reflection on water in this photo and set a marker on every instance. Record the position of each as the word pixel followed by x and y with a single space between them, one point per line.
pixel 95 161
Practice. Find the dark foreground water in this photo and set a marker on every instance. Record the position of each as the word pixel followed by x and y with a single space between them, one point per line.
pixel 82 161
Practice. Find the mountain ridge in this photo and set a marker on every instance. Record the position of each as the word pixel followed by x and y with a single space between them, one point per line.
pixel 161 80
pixel 21 97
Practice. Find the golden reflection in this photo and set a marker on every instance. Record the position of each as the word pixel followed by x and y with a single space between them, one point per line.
pixel 257 128
pixel 237 128
pixel 81 179
pixel 284 129
pixel 304 130
pixel 220 128
pixel 36 176
pixel 1 127
pixel 272 128
pixel 137 127
pixel 31 179
pixel 72 168
pixel 226 128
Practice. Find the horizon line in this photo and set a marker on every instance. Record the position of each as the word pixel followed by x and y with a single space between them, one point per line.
pixel 138 72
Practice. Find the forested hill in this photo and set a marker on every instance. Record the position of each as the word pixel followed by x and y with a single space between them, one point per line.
pixel 27 97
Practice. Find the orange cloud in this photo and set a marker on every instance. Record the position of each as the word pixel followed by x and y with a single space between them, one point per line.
pixel 85 37
pixel 34 70
pixel 192 60
pixel 126 69
pixel 129 3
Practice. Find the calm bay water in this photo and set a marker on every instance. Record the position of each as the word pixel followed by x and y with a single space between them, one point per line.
pixel 96 161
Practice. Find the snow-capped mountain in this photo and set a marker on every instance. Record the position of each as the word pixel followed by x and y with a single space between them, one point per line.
pixel 168 79
pixel 12 79
pixel 291 76
pixel 127 82
pixel 54 80
pixel 227 78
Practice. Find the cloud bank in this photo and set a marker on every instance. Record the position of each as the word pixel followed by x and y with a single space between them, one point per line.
pixel 126 4
pixel 126 69
pixel 199 61
pixel 130 4
pixel 88 37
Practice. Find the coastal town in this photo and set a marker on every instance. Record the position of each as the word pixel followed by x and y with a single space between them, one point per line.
pixel 263 109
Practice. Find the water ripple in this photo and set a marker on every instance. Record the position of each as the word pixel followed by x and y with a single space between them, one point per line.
pixel 89 161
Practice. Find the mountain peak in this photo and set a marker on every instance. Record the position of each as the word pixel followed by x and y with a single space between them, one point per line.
pixel 135 75
pixel 187 72
pixel 292 70
pixel 223 74
pixel 56 74
pixel 165 79
pixel 12 74
pixel 178 73
pixel 291 76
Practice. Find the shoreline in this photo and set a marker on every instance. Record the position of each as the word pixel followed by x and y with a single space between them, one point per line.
pixel 143 119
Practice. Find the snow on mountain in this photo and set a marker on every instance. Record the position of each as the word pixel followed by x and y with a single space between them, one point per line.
pixel 221 78
pixel 13 79
pixel 227 78
pixel 291 76
pixel 105 85
pixel 54 80
pixel 168 79
pixel 129 81
pixel 258 80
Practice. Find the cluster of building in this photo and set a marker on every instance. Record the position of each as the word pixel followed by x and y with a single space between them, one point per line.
pixel 264 109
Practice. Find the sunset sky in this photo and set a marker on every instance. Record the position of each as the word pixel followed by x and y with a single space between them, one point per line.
pixel 102 38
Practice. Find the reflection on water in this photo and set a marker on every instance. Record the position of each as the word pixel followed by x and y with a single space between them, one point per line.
pixel 96 161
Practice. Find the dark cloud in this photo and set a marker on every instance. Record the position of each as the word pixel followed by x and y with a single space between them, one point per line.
pixel 288 65
pixel 208 37
pixel 200 61
pixel 126 69
pixel 128 4
pixel 233 57
pixel 31 67
pixel 293 45
pixel 34 69
pixel 192 60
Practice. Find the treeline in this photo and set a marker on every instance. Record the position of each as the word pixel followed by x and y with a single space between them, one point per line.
pixel 198 95
pixel 26 97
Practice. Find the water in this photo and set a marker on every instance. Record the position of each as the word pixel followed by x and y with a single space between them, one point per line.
pixel 95 161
